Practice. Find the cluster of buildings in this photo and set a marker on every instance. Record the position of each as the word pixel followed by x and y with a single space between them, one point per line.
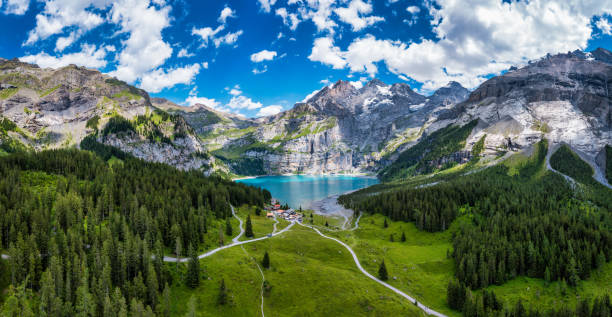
pixel 288 214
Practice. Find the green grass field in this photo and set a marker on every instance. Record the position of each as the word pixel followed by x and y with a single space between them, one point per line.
pixel 309 276
pixel 419 266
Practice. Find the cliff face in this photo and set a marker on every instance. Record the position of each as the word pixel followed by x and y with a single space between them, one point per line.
pixel 563 98
pixel 341 129
pixel 58 107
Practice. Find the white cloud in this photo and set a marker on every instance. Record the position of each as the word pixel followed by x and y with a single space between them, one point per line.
pixel 604 26
pixel 355 15
pixel 312 94
pixel 264 55
pixel 289 19
pixel 65 41
pixel 228 39
pixel 413 9
pixel 144 50
pixel 208 34
pixel 325 81
pixel 89 56
pixel 193 99
pixel 235 91
pixel 184 53
pixel 357 84
pixel 205 65
pixel 59 15
pixel 258 71
pixel 266 5
pixel 159 79
pixel 227 12
pixel 325 52
pixel 242 102
pixel 269 111
pixel 474 38
pixel 17 7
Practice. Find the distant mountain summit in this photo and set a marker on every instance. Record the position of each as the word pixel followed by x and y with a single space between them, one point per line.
pixel 343 128
pixel 339 129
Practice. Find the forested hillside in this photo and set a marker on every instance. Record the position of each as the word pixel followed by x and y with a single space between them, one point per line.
pixel 433 149
pixel 85 236
pixel 520 220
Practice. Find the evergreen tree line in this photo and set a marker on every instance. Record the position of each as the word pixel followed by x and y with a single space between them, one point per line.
pixel 88 239
pixel 531 223
pixel 484 304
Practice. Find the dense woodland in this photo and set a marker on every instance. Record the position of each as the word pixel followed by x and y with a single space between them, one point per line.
pixel 87 236
pixel 518 219
pixel 461 298
pixel 438 144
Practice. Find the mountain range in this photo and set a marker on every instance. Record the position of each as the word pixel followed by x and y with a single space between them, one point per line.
pixel 341 129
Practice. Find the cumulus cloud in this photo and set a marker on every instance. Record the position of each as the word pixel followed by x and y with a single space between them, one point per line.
pixel 356 15
pixel 325 52
pixel 193 99
pixel 89 56
pixel 208 34
pixel 474 38
pixel 243 103
pixel 269 111
pixel 266 5
pixel 264 55
pixel 289 19
pixel 159 79
pixel 59 15
pixel 184 53
pixel 144 50
pixel 604 26
pixel 413 9
pixel 17 7
pixel 227 12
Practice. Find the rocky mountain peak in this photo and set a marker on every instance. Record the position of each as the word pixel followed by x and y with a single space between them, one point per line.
pixel 375 83
pixel 452 93
pixel 602 55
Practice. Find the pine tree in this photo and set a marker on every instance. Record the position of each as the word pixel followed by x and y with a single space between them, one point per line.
pixel 403 237
pixel 385 224
pixel 222 298
pixel 391 238
pixel 382 271
pixel 326 224
pixel 191 307
pixel 266 261
pixel 228 227
pixel 248 231
pixel 192 279
pixel 164 308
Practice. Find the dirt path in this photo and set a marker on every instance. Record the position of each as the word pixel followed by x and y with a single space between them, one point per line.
pixel 263 279
pixel 426 309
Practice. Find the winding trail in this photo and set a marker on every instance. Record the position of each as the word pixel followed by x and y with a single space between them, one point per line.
pixel 263 279
pixel 426 309
pixel 356 223
pixel 275 223
pixel 234 243
pixel 235 240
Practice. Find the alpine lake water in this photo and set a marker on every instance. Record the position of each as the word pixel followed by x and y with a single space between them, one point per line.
pixel 302 190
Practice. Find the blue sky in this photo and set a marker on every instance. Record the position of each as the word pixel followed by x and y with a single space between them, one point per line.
pixel 258 57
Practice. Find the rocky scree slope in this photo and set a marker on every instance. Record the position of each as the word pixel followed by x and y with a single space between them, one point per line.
pixel 54 108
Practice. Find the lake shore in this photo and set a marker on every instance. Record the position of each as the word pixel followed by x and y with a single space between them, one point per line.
pixel 364 175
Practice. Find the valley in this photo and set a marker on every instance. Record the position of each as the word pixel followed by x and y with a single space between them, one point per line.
pixel 488 202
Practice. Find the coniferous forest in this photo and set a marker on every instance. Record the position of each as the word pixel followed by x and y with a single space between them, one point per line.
pixel 517 220
pixel 88 236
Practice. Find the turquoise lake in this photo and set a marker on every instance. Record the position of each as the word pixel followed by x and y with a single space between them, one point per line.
pixel 301 190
